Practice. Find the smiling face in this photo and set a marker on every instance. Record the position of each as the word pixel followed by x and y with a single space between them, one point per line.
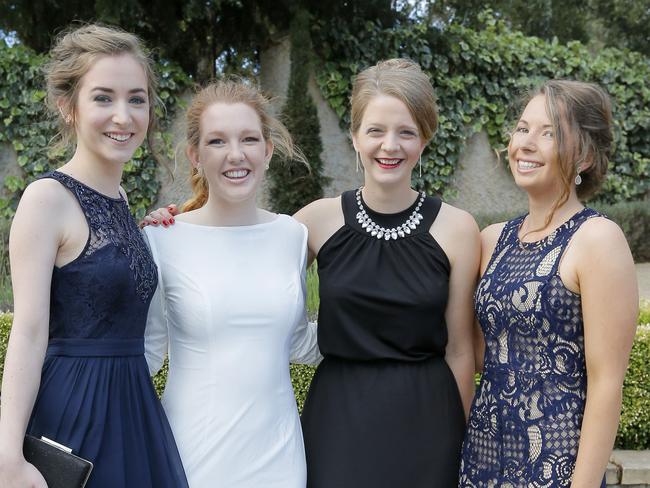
pixel 232 151
pixel 111 115
pixel 388 141
pixel 532 151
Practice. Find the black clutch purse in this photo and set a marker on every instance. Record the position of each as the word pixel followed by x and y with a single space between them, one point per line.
pixel 56 463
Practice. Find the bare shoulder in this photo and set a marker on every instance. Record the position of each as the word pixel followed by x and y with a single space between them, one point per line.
pixel 599 237
pixel 456 221
pixel 318 210
pixel 46 196
pixel 490 235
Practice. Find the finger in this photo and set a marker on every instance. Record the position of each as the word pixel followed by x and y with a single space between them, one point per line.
pixel 173 209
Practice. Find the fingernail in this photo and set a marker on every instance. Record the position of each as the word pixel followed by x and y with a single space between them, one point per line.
pixel 171 221
pixel 154 221
pixel 165 223
pixel 170 207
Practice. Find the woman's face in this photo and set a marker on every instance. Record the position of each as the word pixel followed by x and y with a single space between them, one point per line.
pixel 232 151
pixel 532 152
pixel 111 116
pixel 388 142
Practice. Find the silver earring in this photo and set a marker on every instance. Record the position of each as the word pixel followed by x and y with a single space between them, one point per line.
pixel 199 171
pixel 578 178
pixel 267 165
pixel 358 161
pixel 420 164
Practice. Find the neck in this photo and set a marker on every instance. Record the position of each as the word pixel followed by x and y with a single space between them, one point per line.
pixel 388 199
pixel 541 206
pixel 220 213
pixel 103 177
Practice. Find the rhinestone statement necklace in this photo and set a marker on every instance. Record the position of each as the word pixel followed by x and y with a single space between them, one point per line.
pixel 394 233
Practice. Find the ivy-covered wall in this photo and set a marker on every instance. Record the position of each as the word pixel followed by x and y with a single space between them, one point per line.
pixel 477 75
pixel 24 123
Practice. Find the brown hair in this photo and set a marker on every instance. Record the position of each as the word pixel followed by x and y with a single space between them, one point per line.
pixel 581 115
pixel 404 80
pixel 73 54
pixel 231 91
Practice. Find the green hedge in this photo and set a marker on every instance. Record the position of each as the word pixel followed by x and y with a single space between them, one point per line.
pixel 632 217
pixel 634 428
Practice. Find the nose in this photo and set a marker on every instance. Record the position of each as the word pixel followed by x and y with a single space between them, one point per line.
pixel 529 141
pixel 122 114
pixel 390 143
pixel 235 154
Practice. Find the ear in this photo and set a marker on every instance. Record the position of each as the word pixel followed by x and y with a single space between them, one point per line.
pixel 193 155
pixel 268 153
pixel 65 112
pixel 354 141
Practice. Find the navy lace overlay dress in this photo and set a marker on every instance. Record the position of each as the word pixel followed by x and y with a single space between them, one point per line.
pixel 383 409
pixel 524 425
pixel 96 395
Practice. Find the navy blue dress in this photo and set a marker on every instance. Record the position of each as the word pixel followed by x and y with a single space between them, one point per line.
pixel 96 395
pixel 383 409
pixel 524 425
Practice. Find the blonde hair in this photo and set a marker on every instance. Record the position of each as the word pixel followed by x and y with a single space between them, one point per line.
pixel 231 91
pixel 71 57
pixel 581 115
pixel 404 80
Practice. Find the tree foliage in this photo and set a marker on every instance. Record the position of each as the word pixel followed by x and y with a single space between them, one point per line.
pixel 293 184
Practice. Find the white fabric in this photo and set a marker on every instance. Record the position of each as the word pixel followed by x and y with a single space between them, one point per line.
pixel 230 312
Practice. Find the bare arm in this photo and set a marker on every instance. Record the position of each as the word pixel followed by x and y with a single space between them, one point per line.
pixel 489 237
pixel 322 219
pixel 458 234
pixel 610 301
pixel 33 245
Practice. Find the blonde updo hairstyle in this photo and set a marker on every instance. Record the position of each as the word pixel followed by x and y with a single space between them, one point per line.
pixel 73 54
pixel 404 80
pixel 231 91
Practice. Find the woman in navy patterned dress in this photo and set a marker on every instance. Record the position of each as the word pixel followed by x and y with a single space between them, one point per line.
pixel 81 269
pixel 557 304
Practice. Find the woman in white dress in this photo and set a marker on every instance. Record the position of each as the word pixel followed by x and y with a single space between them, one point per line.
pixel 229 308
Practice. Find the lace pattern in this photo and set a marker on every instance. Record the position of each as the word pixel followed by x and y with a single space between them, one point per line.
pixel 524 426
pixel 111 223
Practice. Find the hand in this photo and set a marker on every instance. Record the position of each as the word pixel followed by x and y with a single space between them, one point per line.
pixel 20 474
pixel 163 215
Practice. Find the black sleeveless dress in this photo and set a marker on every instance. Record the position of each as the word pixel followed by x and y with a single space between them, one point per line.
pixel 96 396
pixel 383 410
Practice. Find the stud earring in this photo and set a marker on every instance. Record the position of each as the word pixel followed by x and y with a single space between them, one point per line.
pixel 578 178
pixel 358 161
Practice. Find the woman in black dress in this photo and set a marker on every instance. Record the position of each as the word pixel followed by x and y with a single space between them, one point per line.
pixel 397 271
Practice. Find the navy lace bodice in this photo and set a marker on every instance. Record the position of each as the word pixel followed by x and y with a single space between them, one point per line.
pixel 105 292
pixel 524 426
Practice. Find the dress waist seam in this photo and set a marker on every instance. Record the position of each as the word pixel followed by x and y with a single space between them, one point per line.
pixel 76 347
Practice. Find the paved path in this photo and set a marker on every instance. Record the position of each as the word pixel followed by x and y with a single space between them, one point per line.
pixel 643 276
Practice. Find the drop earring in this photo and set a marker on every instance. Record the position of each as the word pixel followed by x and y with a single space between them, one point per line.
pixel 578 178
pixel 358 161
pixel 420 165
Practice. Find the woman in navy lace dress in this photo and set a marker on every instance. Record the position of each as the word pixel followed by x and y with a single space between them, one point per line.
pixel 80 265
pixel 557 304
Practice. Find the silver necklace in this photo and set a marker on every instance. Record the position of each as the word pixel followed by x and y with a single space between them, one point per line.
pixel 376 230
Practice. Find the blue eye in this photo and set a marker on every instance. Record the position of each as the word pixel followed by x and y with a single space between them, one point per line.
pixel 251 139
pixel 548 133
pixel 137 100
pixel 216 141
pixel 102 98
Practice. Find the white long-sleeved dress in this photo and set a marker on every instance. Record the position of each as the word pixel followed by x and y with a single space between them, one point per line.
pixel 230 311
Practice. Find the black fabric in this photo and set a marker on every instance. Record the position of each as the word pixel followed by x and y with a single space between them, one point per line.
pixel 383 409
pixel 59 468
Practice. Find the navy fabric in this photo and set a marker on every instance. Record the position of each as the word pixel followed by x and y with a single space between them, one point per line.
pixel 524 425
pixel 96 395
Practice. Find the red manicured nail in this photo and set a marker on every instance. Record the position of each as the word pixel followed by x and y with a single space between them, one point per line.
pixel 171 221
pixel 154 221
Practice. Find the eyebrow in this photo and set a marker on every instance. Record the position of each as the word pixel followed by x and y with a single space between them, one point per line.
pixel 110 90
pixel 545 126
pixel 383 126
